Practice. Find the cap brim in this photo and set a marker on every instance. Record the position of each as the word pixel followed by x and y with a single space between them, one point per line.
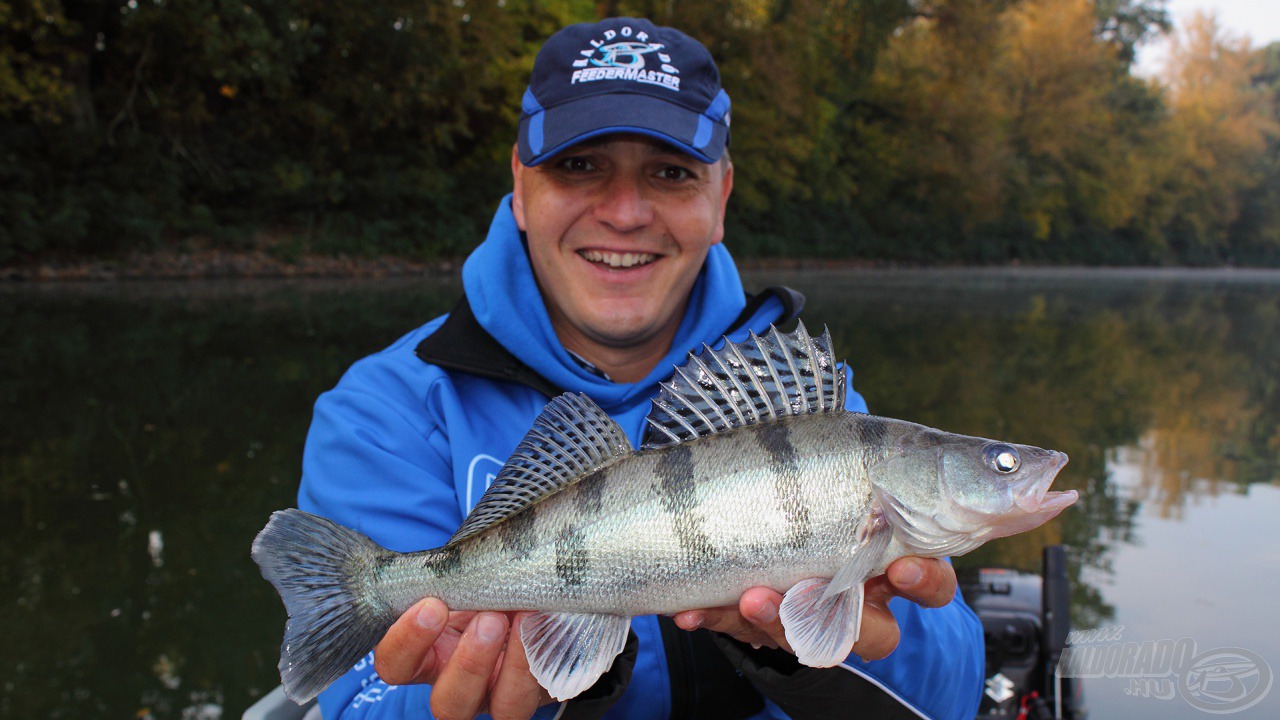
pixel 544 133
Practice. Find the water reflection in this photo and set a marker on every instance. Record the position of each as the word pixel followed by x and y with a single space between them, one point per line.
pixel 147 433
pixel 1180 370
pixel 148 430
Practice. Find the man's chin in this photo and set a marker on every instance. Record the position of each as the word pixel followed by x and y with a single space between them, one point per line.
pixel 622 330
pixel 621 335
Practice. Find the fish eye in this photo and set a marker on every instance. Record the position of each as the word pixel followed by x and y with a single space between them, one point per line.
pixel 1003 459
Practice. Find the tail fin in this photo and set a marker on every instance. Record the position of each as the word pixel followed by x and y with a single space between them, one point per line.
pixel 318 567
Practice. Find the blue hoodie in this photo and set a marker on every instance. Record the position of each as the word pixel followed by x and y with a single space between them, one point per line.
pixel 401 449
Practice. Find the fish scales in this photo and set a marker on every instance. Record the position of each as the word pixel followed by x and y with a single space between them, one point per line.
pixel 700 521
pixel 752 474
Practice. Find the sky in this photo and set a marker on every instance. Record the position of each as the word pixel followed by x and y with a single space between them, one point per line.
pixel 1258 19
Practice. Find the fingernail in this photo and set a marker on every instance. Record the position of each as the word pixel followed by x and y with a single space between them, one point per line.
pixel 907 573
pixel 693 621
pixel 489 629
pixel 430 616
pixel 767 613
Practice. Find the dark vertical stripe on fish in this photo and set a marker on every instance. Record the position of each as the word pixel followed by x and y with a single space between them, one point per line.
pixel 571 557
pixel 445 561
pixel 676 489
pixel 775 438
pixel 517 532
pixel 589 500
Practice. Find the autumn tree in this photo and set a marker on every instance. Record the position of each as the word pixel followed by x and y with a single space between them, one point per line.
pixel 1223 122
pixel 33 57
pixel 916 130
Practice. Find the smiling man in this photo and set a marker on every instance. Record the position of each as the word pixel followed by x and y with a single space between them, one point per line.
pixel 600 271
pixel 618 229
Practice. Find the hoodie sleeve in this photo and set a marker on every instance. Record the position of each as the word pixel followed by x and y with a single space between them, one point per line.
pixel 936 671
pixel 377 460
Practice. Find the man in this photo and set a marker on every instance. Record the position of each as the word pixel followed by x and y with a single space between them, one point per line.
pixel 601 270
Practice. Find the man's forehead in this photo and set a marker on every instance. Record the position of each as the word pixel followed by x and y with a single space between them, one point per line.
pixel 651 146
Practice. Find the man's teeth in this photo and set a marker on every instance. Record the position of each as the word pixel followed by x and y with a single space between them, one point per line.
pixel 618 260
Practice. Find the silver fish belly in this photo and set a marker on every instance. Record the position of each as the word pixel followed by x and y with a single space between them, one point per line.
pixel 752 474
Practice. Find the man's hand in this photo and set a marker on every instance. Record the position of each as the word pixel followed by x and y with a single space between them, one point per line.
pixel 925 581
pixel 474 661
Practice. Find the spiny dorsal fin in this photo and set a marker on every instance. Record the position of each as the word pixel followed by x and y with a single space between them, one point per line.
pixel 755 381
pixel 571 439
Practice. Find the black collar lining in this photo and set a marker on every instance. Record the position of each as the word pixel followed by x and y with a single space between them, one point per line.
pixel 463 345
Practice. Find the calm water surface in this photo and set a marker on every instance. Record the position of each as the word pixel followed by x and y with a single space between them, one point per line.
pixel 148 430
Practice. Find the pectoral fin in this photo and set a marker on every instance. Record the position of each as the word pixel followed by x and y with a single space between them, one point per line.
pixel 821 629
pixel 874 534
pixel 568 652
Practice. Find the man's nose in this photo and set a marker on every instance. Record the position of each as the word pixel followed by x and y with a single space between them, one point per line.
pixel 623 204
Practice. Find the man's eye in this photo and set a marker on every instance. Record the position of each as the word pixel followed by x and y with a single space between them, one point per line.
pixel 577 163
pixel 675 172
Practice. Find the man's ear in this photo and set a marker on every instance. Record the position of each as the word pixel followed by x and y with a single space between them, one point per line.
pixel 517 187
pixel 726 189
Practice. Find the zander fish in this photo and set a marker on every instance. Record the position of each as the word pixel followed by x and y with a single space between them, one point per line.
pixel 752 473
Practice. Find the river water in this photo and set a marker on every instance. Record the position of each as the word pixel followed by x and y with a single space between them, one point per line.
pixel 147 431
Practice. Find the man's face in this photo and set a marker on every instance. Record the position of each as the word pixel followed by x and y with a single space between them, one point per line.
pixel 618 228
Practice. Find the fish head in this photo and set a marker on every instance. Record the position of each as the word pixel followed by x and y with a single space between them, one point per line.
pixel 946 494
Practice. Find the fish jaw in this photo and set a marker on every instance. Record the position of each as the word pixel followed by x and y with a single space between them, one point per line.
pixel 970 503
pixel 1034 495
pixel 1024 518
pixel 1034 504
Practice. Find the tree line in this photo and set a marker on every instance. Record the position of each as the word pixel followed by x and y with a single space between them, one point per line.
pixel 929 131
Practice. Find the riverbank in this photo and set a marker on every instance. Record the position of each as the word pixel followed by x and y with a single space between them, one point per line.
pixel 255 264
pixel 216 264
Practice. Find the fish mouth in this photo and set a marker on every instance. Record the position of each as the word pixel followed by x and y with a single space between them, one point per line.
pixel 1036 497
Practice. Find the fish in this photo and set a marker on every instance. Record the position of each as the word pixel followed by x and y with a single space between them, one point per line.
pixel 751 473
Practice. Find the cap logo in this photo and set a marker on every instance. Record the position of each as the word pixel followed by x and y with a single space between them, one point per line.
pixel 626 59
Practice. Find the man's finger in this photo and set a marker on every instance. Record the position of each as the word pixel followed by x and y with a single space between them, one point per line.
pixel 463 684
pixel 925 581
pixel 759 606
pixel 879 633
pixel 762 629
pixel 516 694
pixel 406 652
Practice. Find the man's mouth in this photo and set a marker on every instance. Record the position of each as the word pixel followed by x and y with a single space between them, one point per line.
pixel 617 261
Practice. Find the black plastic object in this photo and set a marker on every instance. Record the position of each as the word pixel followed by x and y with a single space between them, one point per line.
pixel 1025 621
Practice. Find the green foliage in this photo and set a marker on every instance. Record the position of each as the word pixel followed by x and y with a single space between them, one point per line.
pixel 941 131
pixel 33 55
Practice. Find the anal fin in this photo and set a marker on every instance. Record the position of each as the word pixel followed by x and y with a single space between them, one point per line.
pixel 821 629
pixel 568 652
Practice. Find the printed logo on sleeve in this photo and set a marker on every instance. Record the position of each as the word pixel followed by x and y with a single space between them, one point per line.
pixel 480 474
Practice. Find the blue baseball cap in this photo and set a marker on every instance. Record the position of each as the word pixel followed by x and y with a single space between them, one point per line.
pixel 623 75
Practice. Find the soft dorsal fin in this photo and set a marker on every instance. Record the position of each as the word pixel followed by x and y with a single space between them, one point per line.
pixel 755 381
pixel 571 438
